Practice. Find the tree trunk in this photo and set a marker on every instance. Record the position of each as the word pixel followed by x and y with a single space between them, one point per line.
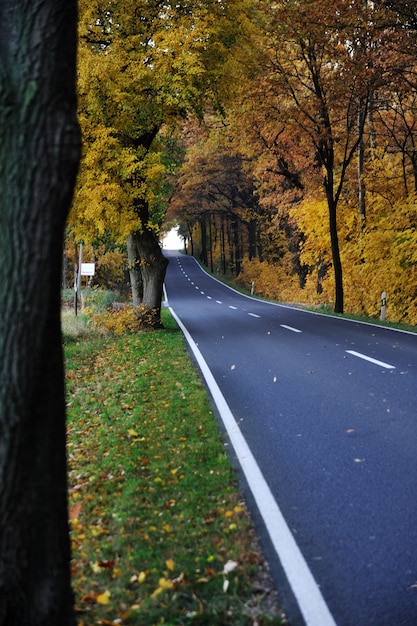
pixel 39 153
pixel 334 239
pixel 134 273
pixel 252 235
pixel 152 264
pixel 223 246
pixel 211 242
pixel 361 157
pixel 203 253
pixel 236 245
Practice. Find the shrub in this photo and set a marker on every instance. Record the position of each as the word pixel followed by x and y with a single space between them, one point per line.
pixel 98 300
pixel 126 319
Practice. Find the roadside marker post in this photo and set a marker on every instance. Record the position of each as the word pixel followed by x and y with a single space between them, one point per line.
pixel 383 305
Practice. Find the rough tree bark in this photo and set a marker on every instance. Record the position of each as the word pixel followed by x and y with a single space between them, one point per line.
pixel 153 266
pixel 147 267
pixel 147 273
pixel 134 271
pixel 39 154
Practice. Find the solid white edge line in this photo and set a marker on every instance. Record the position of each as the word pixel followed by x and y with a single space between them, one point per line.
pixel 307 594
pixel 371 360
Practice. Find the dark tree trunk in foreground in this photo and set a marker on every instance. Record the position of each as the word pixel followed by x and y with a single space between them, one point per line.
pixel 39 152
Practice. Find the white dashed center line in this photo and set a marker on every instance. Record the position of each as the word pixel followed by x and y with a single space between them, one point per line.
pixel 233 307
pixel 371 360
pixel 294 330
pixel 253 315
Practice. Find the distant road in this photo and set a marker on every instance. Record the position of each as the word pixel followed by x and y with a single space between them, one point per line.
pixel 328 408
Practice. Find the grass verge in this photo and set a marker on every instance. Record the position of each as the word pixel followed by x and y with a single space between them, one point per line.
pixel 160 533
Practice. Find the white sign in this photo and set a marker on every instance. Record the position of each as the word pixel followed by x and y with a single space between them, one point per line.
pixel 88 269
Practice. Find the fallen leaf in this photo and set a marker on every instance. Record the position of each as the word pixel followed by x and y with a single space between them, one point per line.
pixel 210 571
pixel 75 511
pixel 163 585
pixel 106 564
pixel 179 579
pixel 90 598
pixel 229 567
pixel 95 567
pixel 104 598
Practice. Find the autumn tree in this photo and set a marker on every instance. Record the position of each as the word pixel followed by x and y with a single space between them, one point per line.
pixel 214 192
pixel 322 85
pixel 143 67
pixel 280 165
pixel 322 70
pixel 39 152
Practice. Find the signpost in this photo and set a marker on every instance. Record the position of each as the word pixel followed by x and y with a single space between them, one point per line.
pixel 88 269
pixel 82 269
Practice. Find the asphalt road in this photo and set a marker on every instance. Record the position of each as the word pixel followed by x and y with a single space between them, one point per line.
pixel 328 409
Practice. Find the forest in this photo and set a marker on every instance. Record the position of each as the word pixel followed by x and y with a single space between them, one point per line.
pixel 281 137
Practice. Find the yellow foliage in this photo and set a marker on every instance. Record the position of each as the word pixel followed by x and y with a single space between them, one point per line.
pixel 271 281
pixel 379 257
pixel 109 268
pixel 127 319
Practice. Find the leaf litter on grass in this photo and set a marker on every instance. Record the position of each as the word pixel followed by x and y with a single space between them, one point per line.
pixel 156 517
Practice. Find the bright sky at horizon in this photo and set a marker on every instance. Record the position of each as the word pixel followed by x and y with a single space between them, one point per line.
pixel 172 241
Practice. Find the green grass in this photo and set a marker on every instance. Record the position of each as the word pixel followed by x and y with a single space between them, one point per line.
pixel 157 519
